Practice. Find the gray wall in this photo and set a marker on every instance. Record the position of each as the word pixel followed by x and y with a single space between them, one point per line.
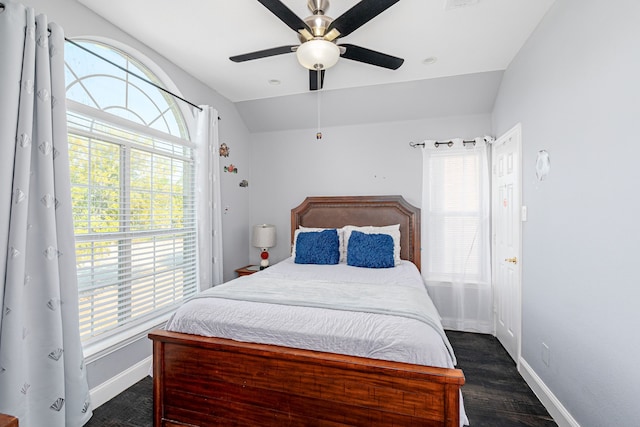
pixel 371 159
pixel 574 86
pixel 79 21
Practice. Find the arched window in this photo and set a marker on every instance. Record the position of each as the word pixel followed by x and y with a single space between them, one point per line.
pixel 132 184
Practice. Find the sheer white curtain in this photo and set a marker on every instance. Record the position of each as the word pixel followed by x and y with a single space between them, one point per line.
pixel 42 372
pixel 456 222
pixel 208 192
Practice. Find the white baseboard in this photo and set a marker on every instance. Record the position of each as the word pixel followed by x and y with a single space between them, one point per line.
pixel 559 413
pixel 116 385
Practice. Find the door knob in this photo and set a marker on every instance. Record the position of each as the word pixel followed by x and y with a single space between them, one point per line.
pixel 512 260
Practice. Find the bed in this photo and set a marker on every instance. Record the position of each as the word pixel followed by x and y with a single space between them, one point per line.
pixel 215 380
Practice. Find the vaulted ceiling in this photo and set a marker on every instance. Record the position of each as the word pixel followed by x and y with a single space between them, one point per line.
pixel 439 40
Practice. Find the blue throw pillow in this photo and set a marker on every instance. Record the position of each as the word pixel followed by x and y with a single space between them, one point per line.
pixel 318 247
pixel 370 250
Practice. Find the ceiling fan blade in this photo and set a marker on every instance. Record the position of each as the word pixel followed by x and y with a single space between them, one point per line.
pixel 313 79
pixel 263 53
pixel 361 54
pixel 287 16
pixel 357 16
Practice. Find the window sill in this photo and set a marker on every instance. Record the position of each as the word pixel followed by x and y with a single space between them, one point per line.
pixel 103 347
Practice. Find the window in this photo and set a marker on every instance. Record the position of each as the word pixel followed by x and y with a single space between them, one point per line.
pixel 457 215
pixel 133 190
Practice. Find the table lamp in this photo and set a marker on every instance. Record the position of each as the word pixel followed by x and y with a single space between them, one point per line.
pixel 264 237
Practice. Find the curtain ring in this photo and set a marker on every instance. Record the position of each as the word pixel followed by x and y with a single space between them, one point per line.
pixel 439 143
pixel 2 7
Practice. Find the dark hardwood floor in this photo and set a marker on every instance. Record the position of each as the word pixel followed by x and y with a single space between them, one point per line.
pixel 495 395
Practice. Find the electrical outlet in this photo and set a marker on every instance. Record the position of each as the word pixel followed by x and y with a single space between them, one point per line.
pixel 545 354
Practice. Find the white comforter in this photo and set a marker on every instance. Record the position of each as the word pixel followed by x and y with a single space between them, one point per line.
pixel 358 333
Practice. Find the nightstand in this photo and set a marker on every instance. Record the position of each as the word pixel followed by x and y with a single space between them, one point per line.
pixel 8 421
pixel 247 270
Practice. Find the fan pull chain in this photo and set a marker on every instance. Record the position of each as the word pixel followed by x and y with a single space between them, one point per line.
pixel 319 74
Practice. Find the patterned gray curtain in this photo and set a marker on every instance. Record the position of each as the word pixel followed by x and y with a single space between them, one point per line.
pixel 42 373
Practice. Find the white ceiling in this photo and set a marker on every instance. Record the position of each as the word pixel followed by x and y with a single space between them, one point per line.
pixel 201 35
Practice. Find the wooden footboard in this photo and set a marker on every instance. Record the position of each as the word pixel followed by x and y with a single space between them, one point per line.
pixel 200 381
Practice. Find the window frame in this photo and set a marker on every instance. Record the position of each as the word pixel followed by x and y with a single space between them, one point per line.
pixel 119 337
pixel 436 214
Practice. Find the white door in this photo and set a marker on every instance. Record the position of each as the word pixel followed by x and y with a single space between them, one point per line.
pixel 506 210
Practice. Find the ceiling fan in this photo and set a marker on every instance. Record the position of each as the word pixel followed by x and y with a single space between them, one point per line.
pixel 319 33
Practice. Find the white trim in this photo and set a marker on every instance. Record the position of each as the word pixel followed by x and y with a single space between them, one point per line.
pixel 546 396
pixel 113 120
pixel 106 345
pixel 514 133
pixel 474 326
pixel 116 385
pixel 155 68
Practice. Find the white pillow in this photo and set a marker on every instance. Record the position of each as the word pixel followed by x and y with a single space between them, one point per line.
pixel 301 229
pixel 392 230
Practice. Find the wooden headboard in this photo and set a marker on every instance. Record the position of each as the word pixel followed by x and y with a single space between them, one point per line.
pixel 338 211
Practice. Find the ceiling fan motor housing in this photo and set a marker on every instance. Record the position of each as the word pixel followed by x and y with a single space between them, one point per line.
pixel 317 53
pixel 318 22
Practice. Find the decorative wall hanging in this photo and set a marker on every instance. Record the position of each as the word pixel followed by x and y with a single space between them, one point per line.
pixel 543 163
pixel 244 183
pixel 231 169
pixel 224 150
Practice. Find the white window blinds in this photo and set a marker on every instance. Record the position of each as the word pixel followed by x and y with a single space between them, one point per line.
pixel 456 231
pixel 134 217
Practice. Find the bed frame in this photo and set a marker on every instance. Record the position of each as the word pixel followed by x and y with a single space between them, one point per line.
pixel 201 381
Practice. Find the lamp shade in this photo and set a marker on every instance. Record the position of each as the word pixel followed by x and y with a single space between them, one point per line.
pixel 318 54
pixel 264 236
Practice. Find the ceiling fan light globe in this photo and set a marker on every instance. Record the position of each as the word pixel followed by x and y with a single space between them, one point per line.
pixel 318 54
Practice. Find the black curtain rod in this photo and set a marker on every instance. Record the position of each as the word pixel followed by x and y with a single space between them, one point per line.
pixel 439 143
pixel 133 74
